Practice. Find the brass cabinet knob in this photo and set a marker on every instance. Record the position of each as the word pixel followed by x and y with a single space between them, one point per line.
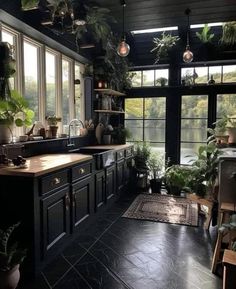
pixel 55 181
pixel 81 170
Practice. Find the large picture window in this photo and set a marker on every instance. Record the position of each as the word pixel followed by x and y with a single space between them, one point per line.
pixel 31 71
pixel 194 116
pixel 145 118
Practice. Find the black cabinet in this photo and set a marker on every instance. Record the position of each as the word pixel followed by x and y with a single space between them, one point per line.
pixel 82 202
pixel 100 191
pixel 55 217
pixel 110 183
pixel 120 171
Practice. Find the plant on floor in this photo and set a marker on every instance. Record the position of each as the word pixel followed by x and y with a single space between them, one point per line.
pixel 176 178
pixel 11 256
pixel 205 36
pixel 156 164
pixel 163 44
pixel 205 171
pixel 142 152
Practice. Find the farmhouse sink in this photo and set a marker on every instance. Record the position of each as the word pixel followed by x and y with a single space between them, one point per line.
pixel 103 157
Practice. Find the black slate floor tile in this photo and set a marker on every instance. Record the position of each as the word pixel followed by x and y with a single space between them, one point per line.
pixel 38 283
pixel 72 280
pixel 56 269
pixel 74 252
pixel 97 275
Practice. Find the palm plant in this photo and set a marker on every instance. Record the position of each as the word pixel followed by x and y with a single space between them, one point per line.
pixel 205 36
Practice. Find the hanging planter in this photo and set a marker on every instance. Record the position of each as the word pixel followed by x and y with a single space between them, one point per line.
pixel 29 4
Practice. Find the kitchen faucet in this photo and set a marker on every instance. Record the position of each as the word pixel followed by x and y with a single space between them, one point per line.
pixel 73 121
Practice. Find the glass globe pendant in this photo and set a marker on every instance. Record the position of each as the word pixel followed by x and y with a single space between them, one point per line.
pixel 188 55
pixel 123 48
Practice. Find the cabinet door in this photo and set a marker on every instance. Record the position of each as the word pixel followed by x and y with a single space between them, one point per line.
pixel 100 193
pixel 120 177
pixel 110 183
pixel 55 216
pixel 82 203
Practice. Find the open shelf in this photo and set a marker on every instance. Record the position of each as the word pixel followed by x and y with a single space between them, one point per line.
pixel 109 111
pixel 109 91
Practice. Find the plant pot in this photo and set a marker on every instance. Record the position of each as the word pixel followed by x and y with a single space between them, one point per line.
pixel 10 279
pixel 232 134
pixel 155 186
pixel 53 130
pixel 5 133
pixel 221 140
pixel 173 190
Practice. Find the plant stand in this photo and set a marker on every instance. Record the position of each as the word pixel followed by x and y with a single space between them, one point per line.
pixel 203 202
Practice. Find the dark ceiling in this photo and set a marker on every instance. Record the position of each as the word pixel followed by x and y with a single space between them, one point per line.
pixel 145 14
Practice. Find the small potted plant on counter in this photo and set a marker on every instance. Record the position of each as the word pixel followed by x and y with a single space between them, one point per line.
pixel 52 122
pixel 11 256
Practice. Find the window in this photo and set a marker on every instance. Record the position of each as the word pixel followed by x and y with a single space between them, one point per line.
pixel 145 78
pixel 226 103
pixel 31 69
pixel 145 118
pixel 201 75
pixel 194 114
pixel 50 84
pixel 10 37
pixel 78 91
pixel 66 92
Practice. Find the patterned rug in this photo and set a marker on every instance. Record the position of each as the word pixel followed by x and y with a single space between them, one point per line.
pixel 163 208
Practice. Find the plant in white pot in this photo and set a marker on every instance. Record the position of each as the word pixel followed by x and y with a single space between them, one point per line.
pixel 11 256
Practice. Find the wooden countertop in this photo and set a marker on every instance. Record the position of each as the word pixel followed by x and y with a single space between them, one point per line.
pixel 42 164
pixel 111 147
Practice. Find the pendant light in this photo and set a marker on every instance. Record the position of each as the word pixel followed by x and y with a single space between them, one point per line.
pixel 123 48
pixel 188 55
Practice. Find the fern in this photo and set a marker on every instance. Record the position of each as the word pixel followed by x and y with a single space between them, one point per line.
pixel 229 33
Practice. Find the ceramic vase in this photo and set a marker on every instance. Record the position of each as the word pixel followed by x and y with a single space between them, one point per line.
pixel 10 279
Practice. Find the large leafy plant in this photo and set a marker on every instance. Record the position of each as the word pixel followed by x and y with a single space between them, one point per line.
pixel 205 36
pixel 10 254
pixel 15 110
pixel 163 45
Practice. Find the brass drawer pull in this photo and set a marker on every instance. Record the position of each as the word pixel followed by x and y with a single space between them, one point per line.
pixel 121 154
pixel 81 171
pixel 67 202
pixel 55 181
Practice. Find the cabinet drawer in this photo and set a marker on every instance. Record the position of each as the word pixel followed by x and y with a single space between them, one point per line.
pixel 128 152
pixel 81 171
pixel 120 155
pixel 54 181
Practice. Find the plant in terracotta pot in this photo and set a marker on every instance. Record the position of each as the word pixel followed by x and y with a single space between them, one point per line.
pixel 52 122
pixel 11 256
pixel 156 164
pixel 219 133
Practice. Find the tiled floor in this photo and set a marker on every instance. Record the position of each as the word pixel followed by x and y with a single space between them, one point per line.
pixel 119 253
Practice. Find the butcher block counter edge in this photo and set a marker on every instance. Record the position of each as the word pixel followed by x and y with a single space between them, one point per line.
pixel 43 164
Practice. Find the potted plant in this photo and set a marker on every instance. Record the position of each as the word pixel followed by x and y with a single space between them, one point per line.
pixel 231 129
pixel 142 152
pixel 156 165
pixel 175 179
pixel 162 81
pixel 52 122
pixel 14 110
pixel 203 177
pixel 163 45
pixel 120 134
pixel 229 33
pixel 11 256
pixel 219 134
pixel 29 4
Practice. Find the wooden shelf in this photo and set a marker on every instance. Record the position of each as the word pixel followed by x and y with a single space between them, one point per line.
pixel 109 91
pixel 109 111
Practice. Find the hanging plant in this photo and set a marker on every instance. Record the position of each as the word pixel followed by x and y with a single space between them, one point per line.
pixel 163 45
pixel 229 33
pixel 205 36
pixel 29 4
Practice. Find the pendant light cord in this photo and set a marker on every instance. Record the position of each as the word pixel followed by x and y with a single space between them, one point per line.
pixel 123 4
pixel 187 12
